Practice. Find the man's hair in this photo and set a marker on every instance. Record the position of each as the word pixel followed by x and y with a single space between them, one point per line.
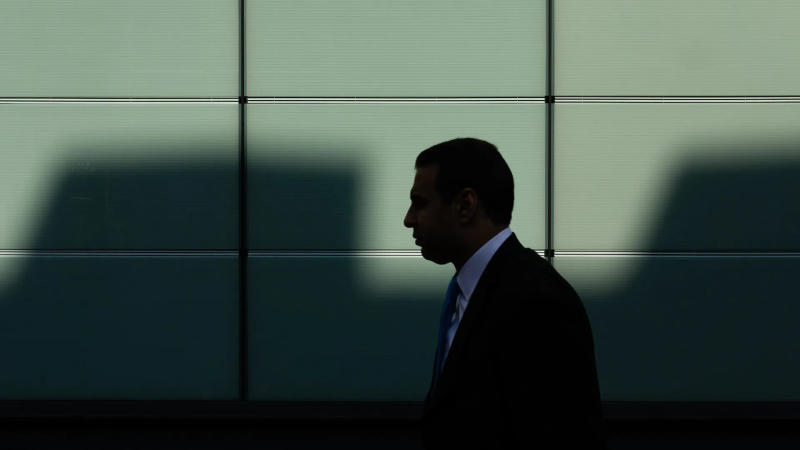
pixel 477 164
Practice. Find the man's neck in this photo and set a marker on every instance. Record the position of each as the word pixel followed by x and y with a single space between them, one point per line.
pixel 474 242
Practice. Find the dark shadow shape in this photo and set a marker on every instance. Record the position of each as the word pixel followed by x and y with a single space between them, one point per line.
pixel 166 327
pixel 687 327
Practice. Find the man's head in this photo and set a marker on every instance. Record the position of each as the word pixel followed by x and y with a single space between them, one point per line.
pixel 463 194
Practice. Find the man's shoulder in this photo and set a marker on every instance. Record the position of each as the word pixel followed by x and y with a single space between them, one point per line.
pixel 524 273
pixel 522 264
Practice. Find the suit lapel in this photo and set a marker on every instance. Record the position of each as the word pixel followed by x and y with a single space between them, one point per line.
pixel 473 313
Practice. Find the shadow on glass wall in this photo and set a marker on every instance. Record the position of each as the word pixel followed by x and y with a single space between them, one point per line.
pixel 718 327
pixel 156 326
pixel 150 324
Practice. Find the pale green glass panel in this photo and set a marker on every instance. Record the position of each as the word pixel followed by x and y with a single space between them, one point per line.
pixel 338 176
pixel 691 328
pixel 386 48
pixel 677 177
pixel 678 47
pixel 343 328
pixel 119 327
pixel 118 176
pixel 119 48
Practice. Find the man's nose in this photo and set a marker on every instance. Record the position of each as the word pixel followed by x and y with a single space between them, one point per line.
pixel 408 220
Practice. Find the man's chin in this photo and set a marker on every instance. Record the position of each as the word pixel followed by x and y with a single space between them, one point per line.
pixel 433 256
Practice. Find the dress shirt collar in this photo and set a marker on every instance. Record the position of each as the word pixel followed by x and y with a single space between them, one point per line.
pixel 472 270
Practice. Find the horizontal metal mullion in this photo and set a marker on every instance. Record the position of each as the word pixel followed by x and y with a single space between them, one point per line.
pixel 379 253
pixel 318 100
pixel 334 253
pixel 678 254
pixel 224 100
pixel 116 253
pixel 303 100
pixel 676 99
pixel 339 253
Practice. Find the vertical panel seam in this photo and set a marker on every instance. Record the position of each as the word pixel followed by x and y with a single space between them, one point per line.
pixel 243 367
pixel 549 100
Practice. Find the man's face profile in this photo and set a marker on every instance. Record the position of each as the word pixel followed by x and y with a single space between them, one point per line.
pixel 432 221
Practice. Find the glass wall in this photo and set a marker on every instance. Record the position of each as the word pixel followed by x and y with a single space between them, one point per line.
pixel 118 186
pixel 654 151
pixel 676 162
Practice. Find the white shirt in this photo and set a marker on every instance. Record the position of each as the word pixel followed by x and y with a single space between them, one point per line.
pixel 469 275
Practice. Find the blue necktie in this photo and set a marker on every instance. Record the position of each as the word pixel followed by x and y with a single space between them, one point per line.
pixel 445 322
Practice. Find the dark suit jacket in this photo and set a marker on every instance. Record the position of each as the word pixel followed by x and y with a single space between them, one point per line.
pixel 521 371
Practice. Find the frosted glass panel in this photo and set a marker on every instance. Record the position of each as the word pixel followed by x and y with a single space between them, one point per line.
pixel 119 48
pixel 388 48
pixel 677 177
pixel 338 176
pixel 119 327
pixel 677 47
pixel 115 176
pixel 691 328
pixel 343 328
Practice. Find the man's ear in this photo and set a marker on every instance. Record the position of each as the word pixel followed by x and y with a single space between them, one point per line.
pixel 466 203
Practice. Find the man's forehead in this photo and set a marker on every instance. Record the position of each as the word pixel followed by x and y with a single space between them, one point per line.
pixel 425 175
pixel 424 179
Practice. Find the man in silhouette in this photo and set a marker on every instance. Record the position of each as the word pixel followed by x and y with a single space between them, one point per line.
pixel 515 363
